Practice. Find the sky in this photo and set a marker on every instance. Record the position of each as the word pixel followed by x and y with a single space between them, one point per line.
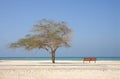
pixel 95 25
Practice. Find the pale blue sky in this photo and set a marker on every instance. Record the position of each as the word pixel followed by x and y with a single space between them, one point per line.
pixel 95 24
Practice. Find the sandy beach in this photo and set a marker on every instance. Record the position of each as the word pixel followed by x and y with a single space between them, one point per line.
pixel 19 69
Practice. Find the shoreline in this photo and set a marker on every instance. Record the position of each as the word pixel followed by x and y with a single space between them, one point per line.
pixel 60 58
pixel 59 61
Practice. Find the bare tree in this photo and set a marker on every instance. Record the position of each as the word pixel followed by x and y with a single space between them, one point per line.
pixel 48 35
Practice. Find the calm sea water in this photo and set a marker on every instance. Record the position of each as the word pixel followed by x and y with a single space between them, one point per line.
pixel 59 58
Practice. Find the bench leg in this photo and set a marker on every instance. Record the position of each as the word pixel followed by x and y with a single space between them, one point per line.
pixel 94 61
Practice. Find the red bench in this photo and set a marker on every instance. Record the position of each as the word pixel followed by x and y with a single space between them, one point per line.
pixel 89 59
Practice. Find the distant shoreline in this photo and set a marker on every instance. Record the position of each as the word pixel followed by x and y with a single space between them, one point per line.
pixel 60 58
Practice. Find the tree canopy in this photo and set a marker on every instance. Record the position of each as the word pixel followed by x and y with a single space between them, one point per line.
pixel 46 34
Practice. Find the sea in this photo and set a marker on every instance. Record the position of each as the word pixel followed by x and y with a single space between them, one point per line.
pixel 60 58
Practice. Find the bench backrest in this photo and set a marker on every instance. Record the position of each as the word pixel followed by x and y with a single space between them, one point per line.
pixel 92 59
pixel 89 59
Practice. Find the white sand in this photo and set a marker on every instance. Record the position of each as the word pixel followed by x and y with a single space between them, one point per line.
pixel 59 70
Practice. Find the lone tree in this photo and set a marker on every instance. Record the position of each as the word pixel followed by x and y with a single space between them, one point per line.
pixel 48 35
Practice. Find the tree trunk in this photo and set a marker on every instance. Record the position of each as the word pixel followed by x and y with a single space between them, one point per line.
pixel 53 56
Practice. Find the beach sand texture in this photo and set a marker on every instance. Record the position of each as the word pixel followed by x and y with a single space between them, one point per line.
pixel 59 70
